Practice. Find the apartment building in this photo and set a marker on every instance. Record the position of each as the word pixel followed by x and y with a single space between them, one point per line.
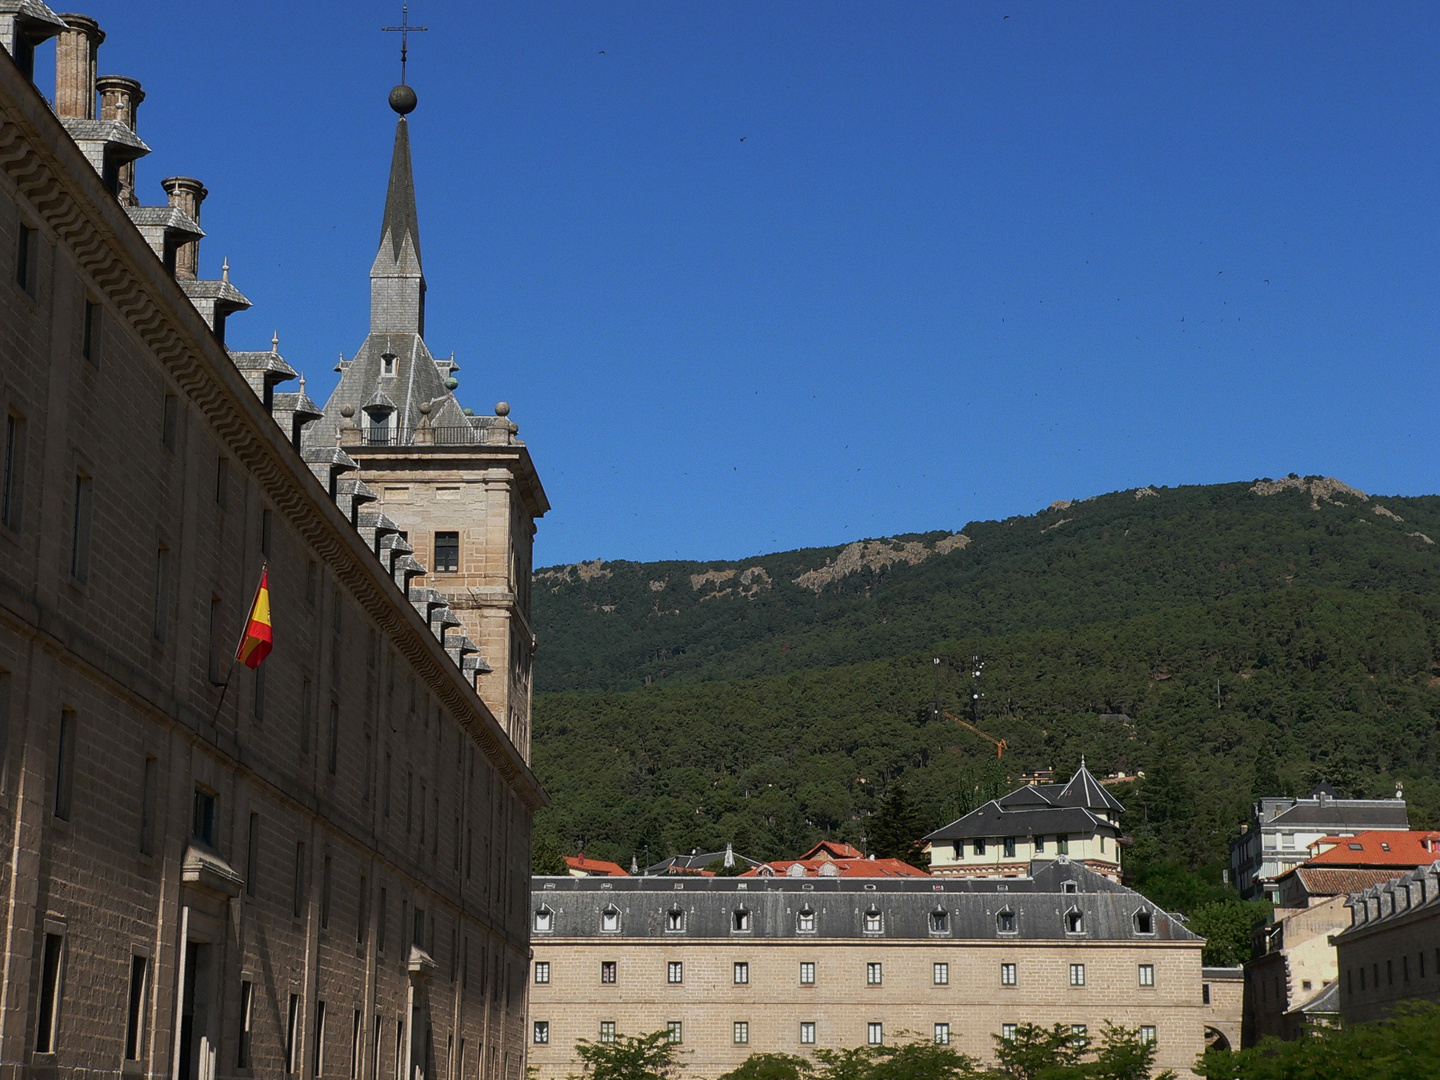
pixel 736 966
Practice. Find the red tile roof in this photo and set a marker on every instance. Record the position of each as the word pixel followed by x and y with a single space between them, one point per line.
pixel 851 868
pixel 581 866
pixel 1378 848
pixel 834 849
pixel 1324 881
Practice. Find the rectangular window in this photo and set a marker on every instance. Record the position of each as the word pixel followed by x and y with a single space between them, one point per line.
pixel 1147 974
pixel 674 1032
pixel 874 974
pixel 355 1047
pixel 25 259
pixel 90 339
pixel 607 1031
pixel 607 971
pixel 375 1047
pixel 1147 1034
pixel 1077 974
pixel 259 703
pixel 942 1034
pixel 325 886
pixel 1007 975
pixel 807 973
pixel 742 973
pixel 447 552
pixel 1007 1032
pixel 298 897
pixel 149 795
pixel 980 847
pixel 162 593
pixel 312 580
pixel 334 748
pixel 1078 1036
pixel 292 1031
pixel 1205 992
pixel 807 1032
pixel 1062 845
pixel 135 1008
pixel 542 1032
pixel 202 817
pixel 362 911
pixel 380 924
pixel 675 972
pixel 169 421
pixel 542 972
pixel 80 528
pixel 317 1055
pixel 10 487
pixel 252 854
pixel 215 657
pixel 1009 847
pixel 875 1034
pixel 222 481
pixel 65 766
pixel 418 938
pixel 1039 848
pixel 49 1011
pixel 942 974
pixel 247 1015
pixel 742 1032
pixel 306 717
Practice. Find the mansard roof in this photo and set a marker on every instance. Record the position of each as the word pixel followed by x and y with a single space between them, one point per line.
pixel 1039 903
pixel 994 820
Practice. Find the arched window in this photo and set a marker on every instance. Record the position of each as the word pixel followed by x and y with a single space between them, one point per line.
pixel 675 920
pixel 544 920
pixel 1005 921
pixel 1074 921
pixel 610 920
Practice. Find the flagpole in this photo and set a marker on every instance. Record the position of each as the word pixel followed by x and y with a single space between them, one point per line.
pixel 235 655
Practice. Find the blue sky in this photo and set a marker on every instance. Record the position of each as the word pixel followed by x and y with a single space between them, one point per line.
pixel 756 277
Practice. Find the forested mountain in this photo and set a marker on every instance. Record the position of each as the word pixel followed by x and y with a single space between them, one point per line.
pixel 1226 641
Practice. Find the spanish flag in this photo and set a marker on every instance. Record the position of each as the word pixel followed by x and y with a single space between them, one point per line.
pixel 255 645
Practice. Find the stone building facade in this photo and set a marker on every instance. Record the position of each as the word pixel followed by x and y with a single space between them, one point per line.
pixel 318 868
pixel 736 966
pixel 1391 951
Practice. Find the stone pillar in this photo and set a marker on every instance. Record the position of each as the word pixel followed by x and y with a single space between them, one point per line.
pixel 120 100
pixel 76 50
pixel 186 194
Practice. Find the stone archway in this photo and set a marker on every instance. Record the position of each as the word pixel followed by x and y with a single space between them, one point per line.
pixel 1215 1039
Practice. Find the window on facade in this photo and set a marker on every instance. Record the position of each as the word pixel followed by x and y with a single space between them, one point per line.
pixel 742 973
pixel 1147 976
pixel 674 1031
pixel 247 1013
pixel 1007 1032
pixel 1062 845
pixel 162 593
pixel 90 335
pixel 873 921
pixel 875 1034
pixel 807 1032
pixel 607 971
pixel 1039 845
pixel 380 922
pixel 939 922
pixel 80 527
pixel 740 921
pixel 807 973
pixel 675 971
pixel 805 921
pixel 1009 847
pixel 941 974
pixel 1078 1036
pixel 292 1032
pixel 980 846
pixel 1147 1034
pixel 135 1007
pixel 26 245
pixel 541 1032
pixel 298 896
pixel 202 822
pixel 874 974
pixel 10 482
pixel 607 1031
pixel 942 1034
pixel 675 919
pixel 1074 922
pixel 1144 922
pixel 149 804
pixel 317 1054
pixel 447 552
pixel 1007 975
pixel 542 972
pixel 610 920
pixel 65 766
pixel 1069 887
pixel 258 704
pixel 1005 921
pixel 222 481
pixel 387 362
pixel 1077 974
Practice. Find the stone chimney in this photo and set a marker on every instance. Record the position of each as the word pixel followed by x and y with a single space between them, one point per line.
pixel 76 49
pixel 186 194
pixel 120 100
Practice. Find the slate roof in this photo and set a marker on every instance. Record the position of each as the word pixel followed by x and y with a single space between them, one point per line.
pixel 972 905
pixel 695 862
pixel 1407 897
pixel 1350 815
pixel 994 820
pixel 400 219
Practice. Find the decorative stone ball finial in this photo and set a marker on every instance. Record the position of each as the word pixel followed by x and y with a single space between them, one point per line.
pixel 425 408
pixel 347 411
pixel 403 99
pixel 502 408
pixel 451 383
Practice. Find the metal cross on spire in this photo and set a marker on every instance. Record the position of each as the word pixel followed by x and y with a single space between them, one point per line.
pixel 404 30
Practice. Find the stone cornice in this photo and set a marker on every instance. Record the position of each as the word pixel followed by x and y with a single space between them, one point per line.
pixel 515 458
pixel 55 178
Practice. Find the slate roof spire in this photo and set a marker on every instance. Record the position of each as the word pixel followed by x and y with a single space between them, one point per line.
pixel 397 283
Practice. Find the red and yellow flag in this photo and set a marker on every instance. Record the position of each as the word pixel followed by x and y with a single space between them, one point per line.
pixel 255 645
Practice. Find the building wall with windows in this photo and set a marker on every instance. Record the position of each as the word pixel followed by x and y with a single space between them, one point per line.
pixel 1391 951
pixel 740 966
pixel 319 871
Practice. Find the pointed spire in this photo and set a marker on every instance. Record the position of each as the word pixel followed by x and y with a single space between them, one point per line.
pixel 274 342
pixel 397 284
pixel 225 270
pixel 400 217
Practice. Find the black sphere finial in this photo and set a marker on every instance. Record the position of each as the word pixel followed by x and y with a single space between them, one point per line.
pixel 403 99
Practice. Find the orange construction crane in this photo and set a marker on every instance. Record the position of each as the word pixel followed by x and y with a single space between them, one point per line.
pixel 1000 744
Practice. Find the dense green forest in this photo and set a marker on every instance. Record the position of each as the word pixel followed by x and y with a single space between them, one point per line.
pixel 1232 645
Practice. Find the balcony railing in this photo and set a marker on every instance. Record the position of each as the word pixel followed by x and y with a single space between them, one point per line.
pixel 449 435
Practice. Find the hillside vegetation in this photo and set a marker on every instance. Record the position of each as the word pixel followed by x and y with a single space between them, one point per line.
pixel 1227 641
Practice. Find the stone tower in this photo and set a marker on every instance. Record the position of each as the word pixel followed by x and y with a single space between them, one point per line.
pixel 457 492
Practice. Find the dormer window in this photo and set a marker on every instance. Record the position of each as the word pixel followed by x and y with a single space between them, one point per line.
pixel 1074 921
pixel 675 920
pixel 1069 887
pixel 805 921
pixel 387 364
pixel 740 920
pixel 1144 922
pixel 544 920
pixel 939 921
pixel 610 920
pixel 874 921
pixel 1005 921
pixel 378 427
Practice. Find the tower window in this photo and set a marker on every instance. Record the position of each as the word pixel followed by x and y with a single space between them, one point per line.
pixel 387 363
pixel 447 552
